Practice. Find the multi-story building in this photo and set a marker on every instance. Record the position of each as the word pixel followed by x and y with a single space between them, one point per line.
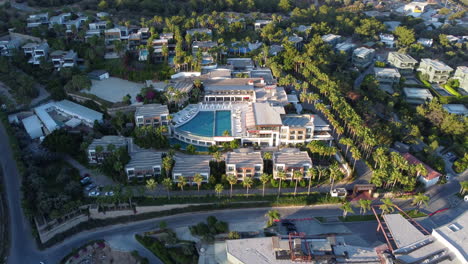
pixel 143 165
pixel 461 74
pixel 296 41
pixel 388 40
pixel 362 57
pixel 417 95
pixel 387 75
pixel 196 32
pixel 65 59
pixel 37 20
pixel 332 39
pixel 346 47
pixel 100 148
pixel 240 65
pixel 230 90
pixel 99 25
pixel 116 33
pixel 244 163
pixel 434 70
pixel 9 45
pixel 59 20
pixel 296 129
pixel 289 161
pixel 36 51
pixel 189 165
pixel 152 115
pixel 403 62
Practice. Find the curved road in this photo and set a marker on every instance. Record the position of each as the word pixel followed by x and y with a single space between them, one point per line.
pixel 24 250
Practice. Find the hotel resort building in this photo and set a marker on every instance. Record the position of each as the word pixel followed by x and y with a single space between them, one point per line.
pixel 244 163
pixel 290 160
pixel 152 115
pixel 188 166
pixel 100 148
pixel 247 109
pixel 143 164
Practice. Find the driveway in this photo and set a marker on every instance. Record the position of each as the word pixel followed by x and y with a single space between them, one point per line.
pixel 360 78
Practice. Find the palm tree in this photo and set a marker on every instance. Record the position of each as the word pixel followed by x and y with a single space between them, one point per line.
pixel 217 156
pixel 219 189
pixel 463 187
pixel 387 207
pixel 264 178
pixel 167 182
pixel 232 179
pixel 198 179
pixel 248 181
pixel 347 208
pixel 272 216
pixel 151 185
pixel 165 52
pixel 420 199
pixel 181 181
pixel 297 176
pixel 420 169
pixel 281 175
pixel 364 205
pixel 267 156
pixel 356 155
pixel 311 173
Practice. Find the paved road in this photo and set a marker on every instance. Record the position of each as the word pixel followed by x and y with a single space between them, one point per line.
pixel 22 241
pixel 360 78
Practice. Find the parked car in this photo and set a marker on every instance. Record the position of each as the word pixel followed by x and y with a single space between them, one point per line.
pixel 111 193
pixel 85 181
pixel 94 194
pixel 90 187
pixel 85 175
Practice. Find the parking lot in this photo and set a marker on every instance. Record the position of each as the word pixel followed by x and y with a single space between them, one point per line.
pixel 114 89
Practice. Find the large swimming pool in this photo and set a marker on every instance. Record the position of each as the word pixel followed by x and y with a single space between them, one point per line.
pixel 208 124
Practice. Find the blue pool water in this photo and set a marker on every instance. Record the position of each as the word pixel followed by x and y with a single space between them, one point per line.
pixel 208 123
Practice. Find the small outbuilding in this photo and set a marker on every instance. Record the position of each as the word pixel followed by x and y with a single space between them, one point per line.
pixel 33 126
pixel 98 75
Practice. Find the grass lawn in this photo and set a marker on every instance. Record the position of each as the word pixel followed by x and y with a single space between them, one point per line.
pixel 415 214
pixel 451 90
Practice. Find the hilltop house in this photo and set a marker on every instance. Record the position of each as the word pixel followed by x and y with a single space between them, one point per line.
pixel 403 62
pixel 461 74
pixel 387 75
pixel 362 57
pixel 431 177
pixel 36 51
pixel 65 59
pixel 434 70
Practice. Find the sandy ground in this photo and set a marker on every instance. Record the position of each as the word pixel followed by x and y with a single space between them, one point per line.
pixel 114 89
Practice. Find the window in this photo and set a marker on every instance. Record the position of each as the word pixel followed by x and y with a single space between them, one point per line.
pixel 257 168
pixel 230 168
pixel 148 121
pixel 291 137
pixel 299 137
pixel 131 172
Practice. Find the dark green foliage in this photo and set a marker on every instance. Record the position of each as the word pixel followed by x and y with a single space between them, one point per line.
pixel 184 252
pixel 114 164
pixel 208 230
pixel 151 137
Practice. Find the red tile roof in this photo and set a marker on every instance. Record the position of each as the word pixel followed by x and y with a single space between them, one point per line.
pixel 431 173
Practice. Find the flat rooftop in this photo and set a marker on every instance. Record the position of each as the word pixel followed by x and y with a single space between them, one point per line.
pixel 188 165
pixel 437 65
pixel 144 160
pixel 362 52
pixel 457 109
pixel 117 141
pixel 253 250
pixel 291 157
pixel 264 114
pixel 404 57
pixel 456 233
pixel 240 62
pixel 418 93
pixel 297 120
pixel 152 110
pixel 262 73
pixel 403 232
pixel 386 72
pixel 244 158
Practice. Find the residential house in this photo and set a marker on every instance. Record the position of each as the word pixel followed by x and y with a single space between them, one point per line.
pixel 415 9
pixel 92 32
pixel 243 47
pixel 36 51
pixel 152 115
pixel 363 57
pixel 9 45
pixel 302 28
pixel 98 75
pixel 345 47
pixel 387 75
pixel 99 25
pixel 208 62
pixel 240 65
pixel 435 71
pixel 59 20
pixel 143 165
pixel 332 39
pixel 259 24
pixel 112 35
pixel 275 49
pixel 388 40
pixel 244 163
pixel 417 95
pixel 425 42
pixel 167 36
pixel 65 59
pixel 37 20
pixel 296 41
pixel 290 160
pixel 403 62
pixel 196 32
pixel 461 74
pixel 102 15
pixel 99 149
pixel 188 166
pixel 428 179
